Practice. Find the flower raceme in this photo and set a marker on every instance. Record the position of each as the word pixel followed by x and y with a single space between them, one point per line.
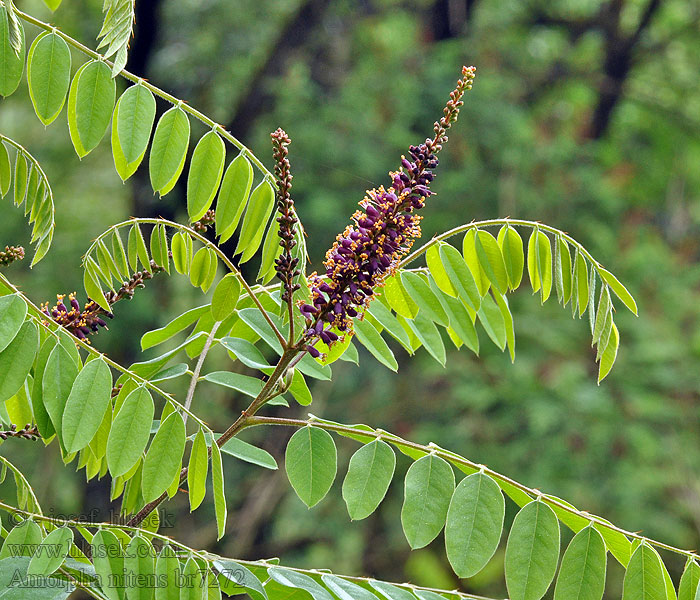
pixel 369 250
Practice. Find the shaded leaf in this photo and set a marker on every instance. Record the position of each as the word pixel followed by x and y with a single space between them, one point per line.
pixel 311 464
pixel 369 474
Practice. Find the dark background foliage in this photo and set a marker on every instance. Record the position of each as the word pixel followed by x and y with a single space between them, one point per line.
pixel 584 115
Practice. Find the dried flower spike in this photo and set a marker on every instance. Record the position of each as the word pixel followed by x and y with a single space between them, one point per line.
pixel 285 264
pixel 368 251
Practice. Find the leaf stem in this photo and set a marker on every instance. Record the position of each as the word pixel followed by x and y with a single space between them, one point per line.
pixel 198 368
pixel 455 458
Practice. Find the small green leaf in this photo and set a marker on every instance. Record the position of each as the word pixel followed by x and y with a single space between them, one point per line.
pixel 16 360
pixel 178 324
pixel 644 579
pixel 234 192
pixel 50 555
pixel 108 558
pixel 21 174
pixel 12 312
pixel 199 269
pixel 607 359
pixel 512 248
pixel 688 587
pixel 428 304
pixel 206 168
pixel 582 572
pixel 371 339
pixel 429 485
pixel 164 457
pixel 346 590
pixel 245 351
pixel 391 591
pixel 492 319
pixel 460 276
pixel 242 578
pixel 130 431
pixel 135 116
pixel 472 259
pixel 168 575
pixel 181 247
pixel 581 283
pixel 169 150
pixel 260 205
pixel 217 478
pixel 225 297
pixel 139 563
pixel 367 481
pixel 300 581
pixel 491 260
pixel 428 334
pixel 59 375
pixel 437 270
pixel 22 540
pixel 311 464
pixel 619 289
pixel 474 524
pixel 48 75
pixel 563 270
pixel 197 471
pixel 211 273
pixel 247 452
pixel 383 315
pixel 90 105
pixel 250 386
pixel 532 552
pixel 398 298
pixel 86 404
pixel 5 170
pixel 11 62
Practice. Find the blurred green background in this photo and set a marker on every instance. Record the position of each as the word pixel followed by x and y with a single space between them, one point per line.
pixel 584 115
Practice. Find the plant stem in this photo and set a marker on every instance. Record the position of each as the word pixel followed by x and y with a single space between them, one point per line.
pixel 198 368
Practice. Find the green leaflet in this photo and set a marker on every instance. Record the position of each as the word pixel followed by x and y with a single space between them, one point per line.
pixel 300 390
pixel 460 276
pixel 493 321
pixel 539 263
pixel 474 524
pixel 199 270
pixel 16 360
pixel 491 260
pixel 119 255
pixel 437 270
pixel 12 312
pixel 5 170
pixel 21 174
pixel 168 575
pixel 191 586
pixel 181 246
pixel 513 256
pixel 300 581
pixel 687 589
pixel 502 303
pixel 428 334
pixel 428 304
pixel 581 283
pixel 562 270
pixel 135 115
pixel 164 457
pixel 139 563
pixel 398 298
pixel 90 104
pixel 233 195
pixel 206 168
pixel 11 62
pixel 390 591
pixel 620 290
pixel 26 537
pixel 178 324
pixel 270 252
pixel 242 578
pixel 108 558
pixel 245 351
pixel 371 339
pixel 428 488
pixel 346 590
pixel 532 552
pixel 644 579
pixel 388 321
pixel 616 542
pixel 472 259
pixel 582 572
pixel 217 479
pixel 53 4
pixel 460 320
pixel 250 386
pixel 225 297
pixel 609 355
pixel 169 150
pixel 86 405
pixel 197 471
pixel 130 431
pixel 59 374
pixel 260 205
pixel 52 552
pixel 367 481
pixel 41 416
pixel 311 464
pixel 48 75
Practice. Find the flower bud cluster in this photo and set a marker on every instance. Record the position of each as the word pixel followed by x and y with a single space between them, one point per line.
pixel 369 250
pixel 28 432
pixel 11 254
